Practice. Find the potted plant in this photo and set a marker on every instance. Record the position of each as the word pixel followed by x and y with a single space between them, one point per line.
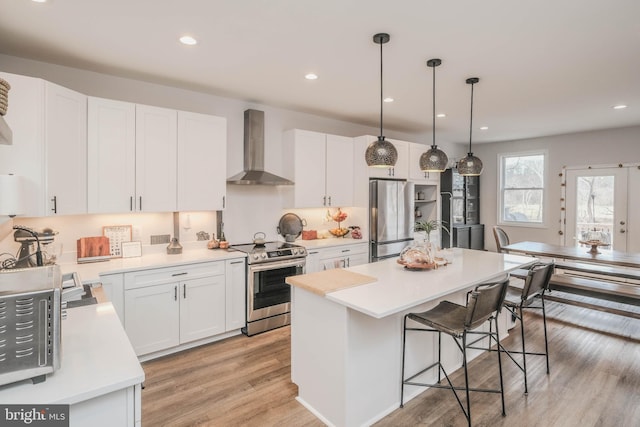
pixel 430 225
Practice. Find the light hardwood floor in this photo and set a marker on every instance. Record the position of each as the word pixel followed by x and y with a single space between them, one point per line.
pixel 594 381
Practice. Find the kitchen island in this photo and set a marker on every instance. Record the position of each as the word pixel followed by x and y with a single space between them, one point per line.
pixel 346 345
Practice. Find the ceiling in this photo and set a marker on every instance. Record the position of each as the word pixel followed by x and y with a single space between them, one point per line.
pixel 545 66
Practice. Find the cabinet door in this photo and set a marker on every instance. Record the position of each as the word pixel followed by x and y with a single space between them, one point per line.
pixel 152 316
pixel 477 237
pixel 461 237
pixel 66 150
pixel 25 157
pixel 310 169
pixel 357 259
pixel 236 288
pixel 313 261
pixel 202 308
pixel 156 166
pixel 202 162
pixel 339 171
pixel 111 154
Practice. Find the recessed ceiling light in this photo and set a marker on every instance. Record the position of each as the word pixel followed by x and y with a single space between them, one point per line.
pixel 188 40
pixel 441 115
pixel 311 76
pixel 619 107
pixel 39 1
pixel 484 127
pixel 388 99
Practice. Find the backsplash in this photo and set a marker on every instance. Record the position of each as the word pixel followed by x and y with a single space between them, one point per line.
pixel 70 228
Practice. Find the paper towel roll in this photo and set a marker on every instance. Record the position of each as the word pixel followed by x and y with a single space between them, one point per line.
pixel 11 195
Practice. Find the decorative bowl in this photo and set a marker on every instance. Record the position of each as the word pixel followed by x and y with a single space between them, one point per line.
pixel 339 232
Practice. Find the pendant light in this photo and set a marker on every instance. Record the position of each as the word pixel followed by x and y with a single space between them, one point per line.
pixel 470 165
pixel 434 159
pixel 381 153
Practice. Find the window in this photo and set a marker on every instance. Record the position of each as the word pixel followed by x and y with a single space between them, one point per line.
pixel 522 188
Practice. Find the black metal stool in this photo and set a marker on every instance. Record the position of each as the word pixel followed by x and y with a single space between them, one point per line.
pixel 535 284
pixel 483 304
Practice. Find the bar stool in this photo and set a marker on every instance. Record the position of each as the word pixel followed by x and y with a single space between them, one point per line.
pixel 483 304
pixel 535 284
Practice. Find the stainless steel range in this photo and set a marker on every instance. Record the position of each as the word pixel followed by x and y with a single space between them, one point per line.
pixel 268 296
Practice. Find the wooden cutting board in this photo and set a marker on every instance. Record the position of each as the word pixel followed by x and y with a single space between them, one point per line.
pixel 323 282
pixel 91 247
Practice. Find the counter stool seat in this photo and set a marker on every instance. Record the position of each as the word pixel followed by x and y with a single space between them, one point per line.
pixel 483 304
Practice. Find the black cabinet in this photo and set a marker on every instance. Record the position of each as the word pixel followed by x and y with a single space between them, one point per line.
pixel 468 236
pixel 461 210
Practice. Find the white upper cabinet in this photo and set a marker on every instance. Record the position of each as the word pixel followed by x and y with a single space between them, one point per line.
pixel 415 174
pixel 66 148
pixel 339 169
pixel 156 167
pixel 111 155
pixel 321 166
pixel 151 159
pixel 202 162
pixel 49 145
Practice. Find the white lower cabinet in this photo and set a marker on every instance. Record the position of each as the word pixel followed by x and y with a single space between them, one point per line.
pixel 168 307
pixel 343 256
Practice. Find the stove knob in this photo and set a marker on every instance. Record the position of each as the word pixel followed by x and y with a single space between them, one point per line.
pixel 256 256
pixel 263 255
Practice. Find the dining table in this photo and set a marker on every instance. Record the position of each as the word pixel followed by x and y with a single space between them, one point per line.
pixel 576 253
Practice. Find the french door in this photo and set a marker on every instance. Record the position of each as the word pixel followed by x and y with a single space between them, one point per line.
pixel 600 203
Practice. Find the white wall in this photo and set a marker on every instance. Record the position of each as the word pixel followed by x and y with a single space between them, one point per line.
pixel 605 147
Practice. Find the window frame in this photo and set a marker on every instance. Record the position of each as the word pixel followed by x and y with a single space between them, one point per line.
pixel 500 184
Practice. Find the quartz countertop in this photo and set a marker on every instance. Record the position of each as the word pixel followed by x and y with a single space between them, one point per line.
pixel 96 359
pixel 397 289
pixel 90 272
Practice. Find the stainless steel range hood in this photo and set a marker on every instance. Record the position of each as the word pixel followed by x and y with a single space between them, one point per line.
pixel 254 173
pixel 6 136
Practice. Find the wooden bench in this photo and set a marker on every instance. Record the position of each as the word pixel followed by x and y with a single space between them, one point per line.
pixel 600 269
pixel 626 293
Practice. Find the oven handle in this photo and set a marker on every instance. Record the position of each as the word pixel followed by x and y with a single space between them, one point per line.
pixel 298 262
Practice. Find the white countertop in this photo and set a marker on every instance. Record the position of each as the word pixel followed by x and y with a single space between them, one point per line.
pixel 398 289
pixel 97 359
pixel 90 272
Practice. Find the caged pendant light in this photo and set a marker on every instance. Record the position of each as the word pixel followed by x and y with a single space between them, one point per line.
pixel 381 153
pixel 434 159
pixel 470 165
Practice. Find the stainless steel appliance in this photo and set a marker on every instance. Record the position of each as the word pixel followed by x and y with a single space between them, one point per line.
pixel 268 296
pixel 29 323
pixel 391 217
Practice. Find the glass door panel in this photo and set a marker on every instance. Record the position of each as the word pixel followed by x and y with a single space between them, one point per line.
pixel 597 207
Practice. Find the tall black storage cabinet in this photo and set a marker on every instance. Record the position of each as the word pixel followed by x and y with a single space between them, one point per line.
pixel 461 210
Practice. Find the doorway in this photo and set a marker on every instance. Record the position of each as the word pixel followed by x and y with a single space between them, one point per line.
pixel 599 205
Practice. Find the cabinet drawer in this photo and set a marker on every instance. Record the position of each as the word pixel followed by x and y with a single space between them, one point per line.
pixel 157 276
pixel 342 251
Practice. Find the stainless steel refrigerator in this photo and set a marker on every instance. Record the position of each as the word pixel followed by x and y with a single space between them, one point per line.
pixel 391 217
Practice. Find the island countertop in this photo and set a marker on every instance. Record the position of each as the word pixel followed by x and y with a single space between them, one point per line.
pixel 397 289
pixel 96 359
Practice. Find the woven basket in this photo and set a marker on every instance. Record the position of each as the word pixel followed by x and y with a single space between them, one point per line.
pixel 4 96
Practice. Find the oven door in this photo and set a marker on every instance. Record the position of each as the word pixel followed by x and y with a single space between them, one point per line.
pixel 267 293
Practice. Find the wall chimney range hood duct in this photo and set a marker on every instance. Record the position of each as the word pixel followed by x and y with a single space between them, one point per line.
pixel 254 173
